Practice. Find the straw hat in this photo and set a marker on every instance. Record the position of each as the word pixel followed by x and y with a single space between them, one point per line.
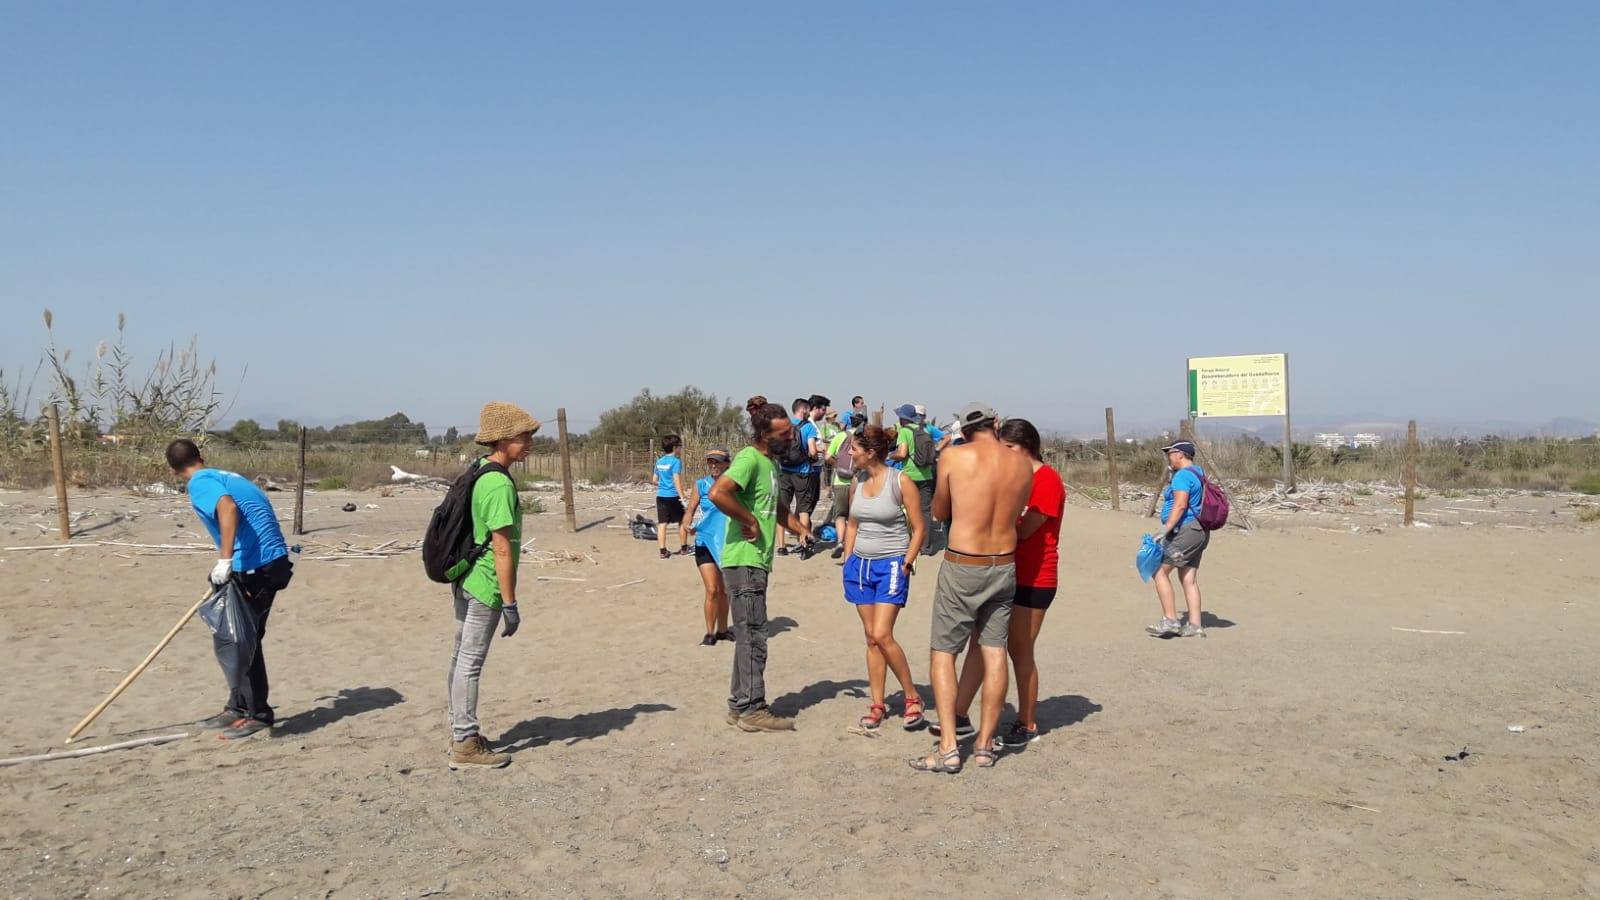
pixel 499 421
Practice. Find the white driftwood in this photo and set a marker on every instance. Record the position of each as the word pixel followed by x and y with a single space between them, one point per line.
pixel 90 751
pixel 626 584
pixel 52 547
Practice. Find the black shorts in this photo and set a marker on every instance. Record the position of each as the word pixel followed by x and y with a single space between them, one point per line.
pixel 799 492
pixel 702 557
pixel 669 511
pixel 1034 597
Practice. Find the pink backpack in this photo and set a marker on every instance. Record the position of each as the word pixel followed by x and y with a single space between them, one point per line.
pixel 1213 504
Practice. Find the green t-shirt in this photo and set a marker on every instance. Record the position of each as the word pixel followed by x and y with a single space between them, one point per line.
pixel 904 439
pixel 757 477
pixel 833 450
pixel 495 505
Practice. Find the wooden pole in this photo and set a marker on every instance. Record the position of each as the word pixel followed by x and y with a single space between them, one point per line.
pixel 1411 472
pixel 90 751
pixel 138 670
pixel 300 485
pixel 1288 434
pixel 1111 459
pixel 566 470
pixel 58 465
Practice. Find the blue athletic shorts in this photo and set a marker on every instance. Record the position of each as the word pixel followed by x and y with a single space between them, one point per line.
pixel 869 581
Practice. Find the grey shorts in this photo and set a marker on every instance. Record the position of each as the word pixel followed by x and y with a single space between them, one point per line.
pixel 972 597
pixel 1185 548
pixel 799 492
pixel 841 504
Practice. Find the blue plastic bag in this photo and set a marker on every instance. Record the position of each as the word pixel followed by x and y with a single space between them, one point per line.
pixel 828 533
pixel 1148 562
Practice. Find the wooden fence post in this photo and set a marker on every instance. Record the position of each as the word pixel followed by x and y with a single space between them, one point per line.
pixel 300 485
pixel 1410 474
pixel 58 465
pixel 566 470
pixel 1111 459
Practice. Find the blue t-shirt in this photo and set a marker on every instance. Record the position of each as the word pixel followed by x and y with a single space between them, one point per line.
pixel 259 540
pixel 1184 480
pixel 710 524
pixel 935 432
pixel 807 434
pixel 666 467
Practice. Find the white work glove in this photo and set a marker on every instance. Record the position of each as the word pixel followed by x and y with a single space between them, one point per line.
pixel 222 571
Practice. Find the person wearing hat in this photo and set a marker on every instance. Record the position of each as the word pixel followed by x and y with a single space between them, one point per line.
pixel 487 596
pixel 983 488
pixel 1182 541
pixel 710 529
pixel 924 477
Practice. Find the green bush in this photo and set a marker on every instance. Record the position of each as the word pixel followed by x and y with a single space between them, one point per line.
pixel 332 483
pixel 1588 484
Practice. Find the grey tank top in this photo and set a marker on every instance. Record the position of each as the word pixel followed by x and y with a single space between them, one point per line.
pixel 881 528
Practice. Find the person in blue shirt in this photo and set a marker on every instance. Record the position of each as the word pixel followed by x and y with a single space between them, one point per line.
pixel 800 482
pixel 710 527
pixel 1183 542
pixel 669 496
pixel 251 552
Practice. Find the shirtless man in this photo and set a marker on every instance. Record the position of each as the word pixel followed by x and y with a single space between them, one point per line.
pixel 982 488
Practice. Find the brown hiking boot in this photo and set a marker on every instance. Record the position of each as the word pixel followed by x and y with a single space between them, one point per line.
pixel 733 717
pixel 763 719
pixel 474 751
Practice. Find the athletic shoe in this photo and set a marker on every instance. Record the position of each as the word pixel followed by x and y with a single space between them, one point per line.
pixel 1018 735
pixel 964 728
pixel 838 552
pixel 665 553
pixel 725 636
pixel 709 640
pixel 242 729
pixel 685 550
pixel 784 550
pixel 1163 628
pixel 763 719
pixel 221 720
pixel 1192 630
pixel 474 751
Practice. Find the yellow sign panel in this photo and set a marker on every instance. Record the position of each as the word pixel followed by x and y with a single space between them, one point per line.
pixel 1239 385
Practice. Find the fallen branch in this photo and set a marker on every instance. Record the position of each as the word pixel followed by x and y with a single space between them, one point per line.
pixel 90 751
pixel 626 584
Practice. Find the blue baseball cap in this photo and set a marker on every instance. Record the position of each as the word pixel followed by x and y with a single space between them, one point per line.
pixel 1184 447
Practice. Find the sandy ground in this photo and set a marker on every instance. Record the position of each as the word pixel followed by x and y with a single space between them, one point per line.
pixel 1298 750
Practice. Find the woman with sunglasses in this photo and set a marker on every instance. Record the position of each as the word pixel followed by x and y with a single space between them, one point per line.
pixel 885 524
pixel 710 528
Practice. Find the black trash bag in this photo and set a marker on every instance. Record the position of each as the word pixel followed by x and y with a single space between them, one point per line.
pixel 234 627
pixel 642 529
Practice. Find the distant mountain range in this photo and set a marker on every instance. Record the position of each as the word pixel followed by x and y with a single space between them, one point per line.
pixel 1305 427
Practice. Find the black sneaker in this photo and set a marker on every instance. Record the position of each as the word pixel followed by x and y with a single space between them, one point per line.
pixel 221 720
pixel 243 729
pixel 964 728
pixel 1019 736
pixel 784 550
pixel 709 640
pixel 725 636
pixel 665 553
pixel 806 551
pixel 838 551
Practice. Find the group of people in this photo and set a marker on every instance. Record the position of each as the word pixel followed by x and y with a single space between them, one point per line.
pixel 983 478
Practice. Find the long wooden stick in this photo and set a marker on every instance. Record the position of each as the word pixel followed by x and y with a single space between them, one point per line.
pixel 138 670
pixel 90 751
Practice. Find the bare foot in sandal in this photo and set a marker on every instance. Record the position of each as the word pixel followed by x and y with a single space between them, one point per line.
pixel 985 758
pixel 946 762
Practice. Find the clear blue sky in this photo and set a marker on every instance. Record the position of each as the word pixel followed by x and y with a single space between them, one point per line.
pixel 382 207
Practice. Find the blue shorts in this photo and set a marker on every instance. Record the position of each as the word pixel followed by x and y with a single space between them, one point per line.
pixel 869 581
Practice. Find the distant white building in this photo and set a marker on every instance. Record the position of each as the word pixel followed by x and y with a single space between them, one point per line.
pixel 1329 440
pixel 1367 439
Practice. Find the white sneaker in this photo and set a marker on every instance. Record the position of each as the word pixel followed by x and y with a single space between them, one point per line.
pixel 1191 630
pixel 1163 628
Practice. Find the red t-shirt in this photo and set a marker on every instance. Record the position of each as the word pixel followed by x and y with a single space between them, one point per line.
pixel 1039 556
